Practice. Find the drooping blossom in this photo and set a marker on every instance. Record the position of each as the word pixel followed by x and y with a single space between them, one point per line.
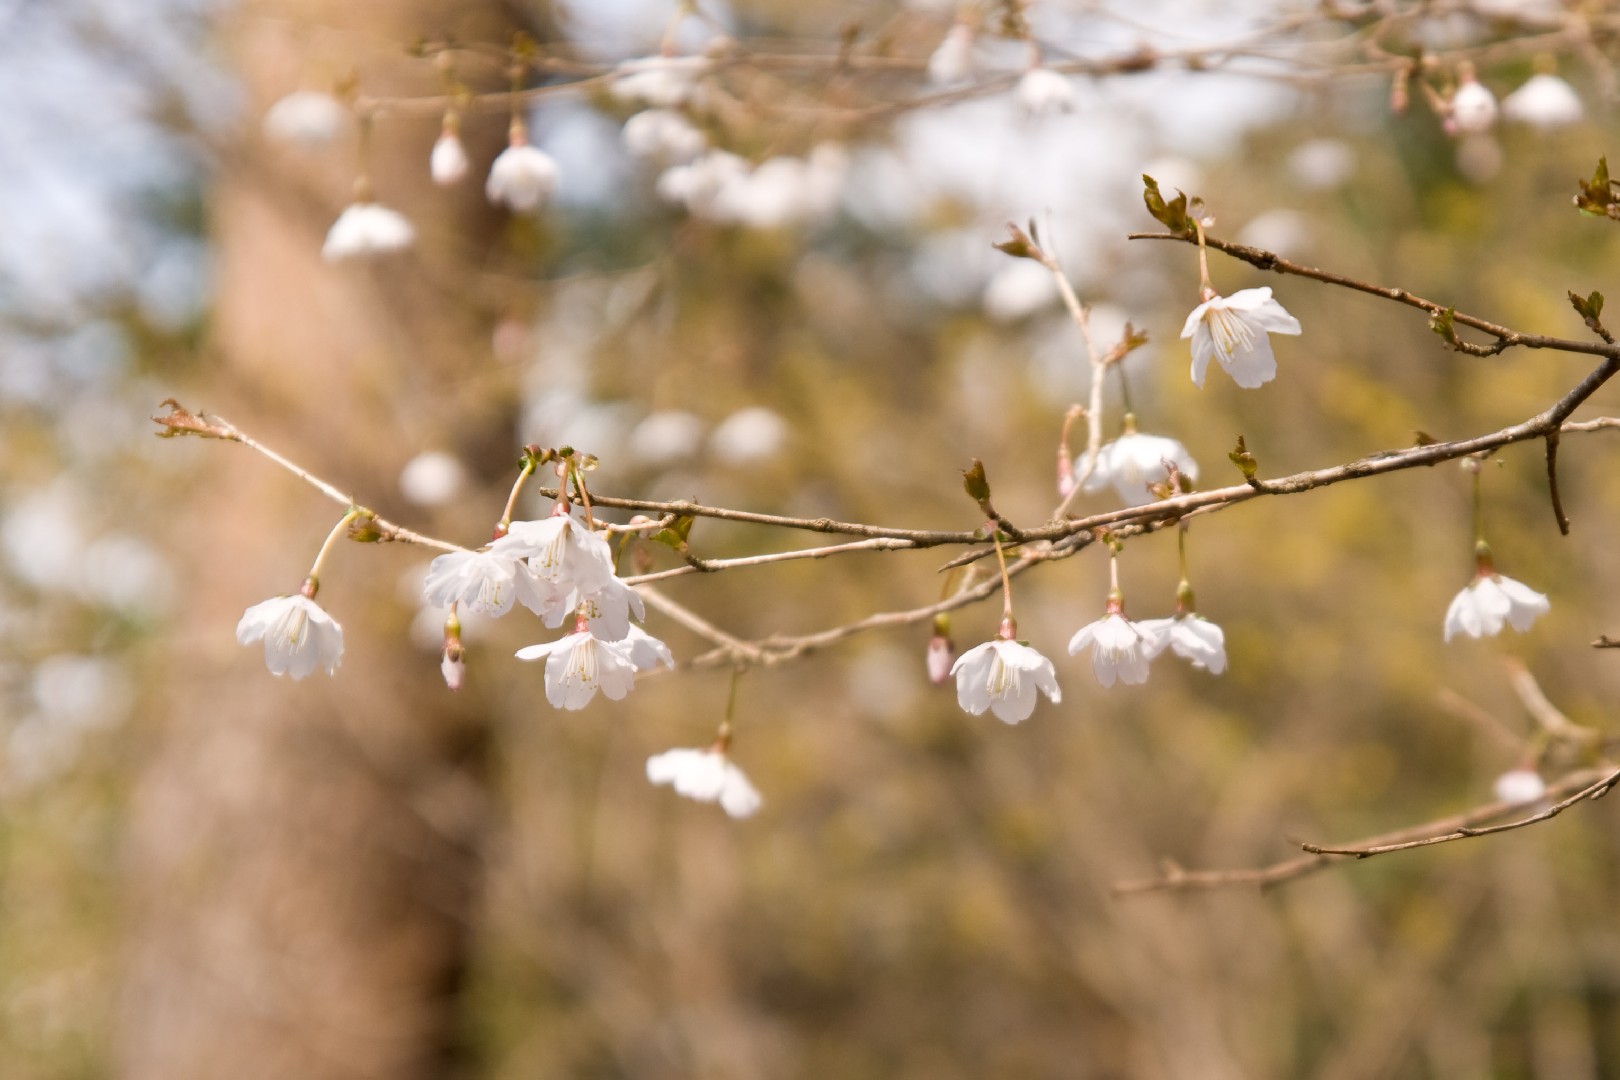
pixel 1190 636
pixel 485 582
pixel 1545 101
pixel 1042 90
pixel 1491 599
pixel 1234 330
pixel 521 177
pixel 707 776
pixel 1119 647
pixel 1132 462
pixel 298 635
pixel 307 118
pixel 1002 675
pixel 608 609
pixel 1473 107
pixel 448 163
pixel 580 664
pixel 560 551
pixel 365 229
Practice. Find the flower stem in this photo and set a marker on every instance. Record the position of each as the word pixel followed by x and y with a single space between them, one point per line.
pixel 1124 387
pixel 1006 581
pixel 1203 262
pixel 511 500
pixel 584 493
pixel 312 581
pixel 722 738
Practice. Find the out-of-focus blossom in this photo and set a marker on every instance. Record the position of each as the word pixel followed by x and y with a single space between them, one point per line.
pixel 662 82
pixel 1119 648
pixel 666 436
pixel 707 776
pixel 448 164
pixel 1191 637
pixel 1002 675
pixel 1234 330
pixel 521 178
pixel 664 135
pixel 1519 786
pixel 431 478
pixel 1132 462
pixel 1545 101
pixel 953 60
pixel 1042 90
pixel 748 436
pixel 298 635
pixel 366 229
pixel 580 664
pixel 1322 164
pixel 306 118
pixel 1019 289
pixel 1473 107
pixel 1490 600
pixel 778 191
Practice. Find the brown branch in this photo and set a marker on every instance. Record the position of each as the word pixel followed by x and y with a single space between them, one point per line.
pixel 1569 789
pixel 1552 483
pixel 1506 337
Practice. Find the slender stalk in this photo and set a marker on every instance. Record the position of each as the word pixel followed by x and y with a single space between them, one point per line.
pixel 312 581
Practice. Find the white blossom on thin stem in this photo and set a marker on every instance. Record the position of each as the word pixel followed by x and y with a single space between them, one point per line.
pixel 448 163
pixel 1545 101
pixel 580 664
pixel 1002 675
pixel 298 635
pixel 307 118
pixel 365 229
pixel 1234 330
pixel 1119 648
pixel 560 551
pixel 485 582
pixel 1190 636
pixel 609 608
pixel 1473 107
pixel 521 177
pixel 707 776
pixel 1491 599
pixel 1042 90
pixel 1132 462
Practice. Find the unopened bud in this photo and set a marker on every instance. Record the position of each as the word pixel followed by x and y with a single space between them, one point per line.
pixel 941 656
pixel 453 668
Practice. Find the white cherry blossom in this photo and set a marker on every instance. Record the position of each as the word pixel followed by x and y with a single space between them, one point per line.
pixel 1190 636
pixel 1473 108
pixel 659 81
pixel 1545 101
pixel 307 118
pixel 1002 675
pixel 607 610
pixel 298 635
pixel 1233 329
pixel 560 551
pixel 646 651
pixel 663 134
pixel 1119 648
pixel 707 776
pixel 484 582
pixel 365 229
pixel 1042 90
pixel 579 665
pixel 1132 462
pixel 1490 600
pixel 522 177
pixel 448 163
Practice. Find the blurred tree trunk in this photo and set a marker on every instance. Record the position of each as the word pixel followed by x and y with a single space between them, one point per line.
pixel 304 858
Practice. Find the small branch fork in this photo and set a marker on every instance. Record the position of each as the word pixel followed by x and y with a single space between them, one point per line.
pixel 1573 788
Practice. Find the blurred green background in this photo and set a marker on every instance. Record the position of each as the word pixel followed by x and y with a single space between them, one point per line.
pixel 208 872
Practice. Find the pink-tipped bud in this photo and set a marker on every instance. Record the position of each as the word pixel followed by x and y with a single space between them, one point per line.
pixel 941 656
pixel 453 668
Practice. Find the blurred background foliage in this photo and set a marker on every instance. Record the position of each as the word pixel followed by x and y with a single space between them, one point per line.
pixel 209 872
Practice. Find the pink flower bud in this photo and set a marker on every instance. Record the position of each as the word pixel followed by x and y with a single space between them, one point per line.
pixel 453 668
pixel 941 655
